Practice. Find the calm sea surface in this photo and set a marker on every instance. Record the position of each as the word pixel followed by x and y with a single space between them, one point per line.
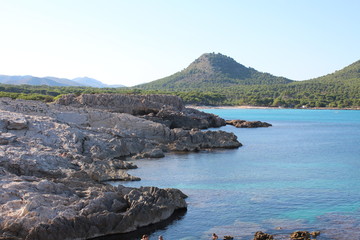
pixel 301 174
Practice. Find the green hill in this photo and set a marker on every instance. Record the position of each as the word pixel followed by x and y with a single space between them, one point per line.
pixel 340 89
pixel 350 74
pixel 215 79
pixel 212 70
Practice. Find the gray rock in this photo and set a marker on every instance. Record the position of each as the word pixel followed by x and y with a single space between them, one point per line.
pixel 34 208
pixel 54 159
pixel 153 153
pixel 124 103
pixel 194 140
pixel 164 109
pixel 247 124
pixel 6 138
pixel 17 123
pixel 187 118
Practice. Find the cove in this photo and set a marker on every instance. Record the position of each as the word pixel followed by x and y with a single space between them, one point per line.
pixel 300 174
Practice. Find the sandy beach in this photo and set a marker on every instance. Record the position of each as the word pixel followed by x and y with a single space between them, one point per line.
pixel 259 107
pixel 229 107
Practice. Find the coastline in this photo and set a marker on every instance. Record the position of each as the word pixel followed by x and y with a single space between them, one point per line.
pixel 63 154
pixel 260 107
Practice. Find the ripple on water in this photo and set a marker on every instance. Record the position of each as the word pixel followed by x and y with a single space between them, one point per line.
pixel 300 174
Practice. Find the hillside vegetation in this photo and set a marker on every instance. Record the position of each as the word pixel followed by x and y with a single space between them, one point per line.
pixel 212 70
pixel 230 83
pixel 215 79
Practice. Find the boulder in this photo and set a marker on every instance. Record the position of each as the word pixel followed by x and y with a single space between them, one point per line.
pixel 228 237
pixel 263 236
pixel 195 140
pixel 17 123
pixel 7 138
pixel 300 235
pixel 315 233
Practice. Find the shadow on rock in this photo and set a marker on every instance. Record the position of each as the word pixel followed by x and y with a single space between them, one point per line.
pixel 135 235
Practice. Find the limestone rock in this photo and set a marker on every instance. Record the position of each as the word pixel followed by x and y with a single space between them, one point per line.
pixel 124 103
pixel 194 140
pixel 228 237
pixel 6 138
pixel 54 159
pixel 315 233
pixel 262 236
pixel 247 124
pixel 153 153
pixel 102 171
pixel 188 118
pixel 34 208
pixel 164 109
pixel 300 235
pixel 17 123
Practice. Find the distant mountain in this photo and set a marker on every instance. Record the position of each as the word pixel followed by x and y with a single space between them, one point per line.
pixel 53 81
pixel 29 80
pixel 86 81
pixel 65 81
pixel 212 70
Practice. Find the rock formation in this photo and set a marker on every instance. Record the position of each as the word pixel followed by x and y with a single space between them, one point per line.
pixel 247 124
pixel 315 234
pixel 41 209
pixel 263 236
pixel 300 235
pixel 228 238
pixel 124 103
pixel 168 110
pixel 54 159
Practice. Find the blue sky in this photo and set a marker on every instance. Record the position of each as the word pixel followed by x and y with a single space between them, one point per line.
pixel 135 41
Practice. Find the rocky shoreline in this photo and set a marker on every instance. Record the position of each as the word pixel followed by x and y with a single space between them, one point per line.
pixel 247 124
pixel 55 160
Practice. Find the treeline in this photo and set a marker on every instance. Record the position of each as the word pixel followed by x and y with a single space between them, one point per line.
pixel 345 94
pixel 296 95
pixel 50 93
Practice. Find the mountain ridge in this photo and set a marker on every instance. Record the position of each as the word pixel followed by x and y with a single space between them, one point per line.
pixel 54 81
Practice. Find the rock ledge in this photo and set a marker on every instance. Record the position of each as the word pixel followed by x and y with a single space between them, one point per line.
pixel 55 158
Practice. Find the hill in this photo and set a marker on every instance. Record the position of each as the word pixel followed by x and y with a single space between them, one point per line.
pixel 214 70
pixel 228 83
pixel 347 74
pixel 340 89
pixel 53 81
pixel 215 79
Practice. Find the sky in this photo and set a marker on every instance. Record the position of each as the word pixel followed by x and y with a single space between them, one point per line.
pixel 130 42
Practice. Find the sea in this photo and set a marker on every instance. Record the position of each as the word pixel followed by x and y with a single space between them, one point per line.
pixel 303 173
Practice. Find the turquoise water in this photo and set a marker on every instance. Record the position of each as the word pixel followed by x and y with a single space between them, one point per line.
pixel 300 174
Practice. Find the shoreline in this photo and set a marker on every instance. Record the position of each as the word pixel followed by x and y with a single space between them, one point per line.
pixel 78 149
pixel 260 107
